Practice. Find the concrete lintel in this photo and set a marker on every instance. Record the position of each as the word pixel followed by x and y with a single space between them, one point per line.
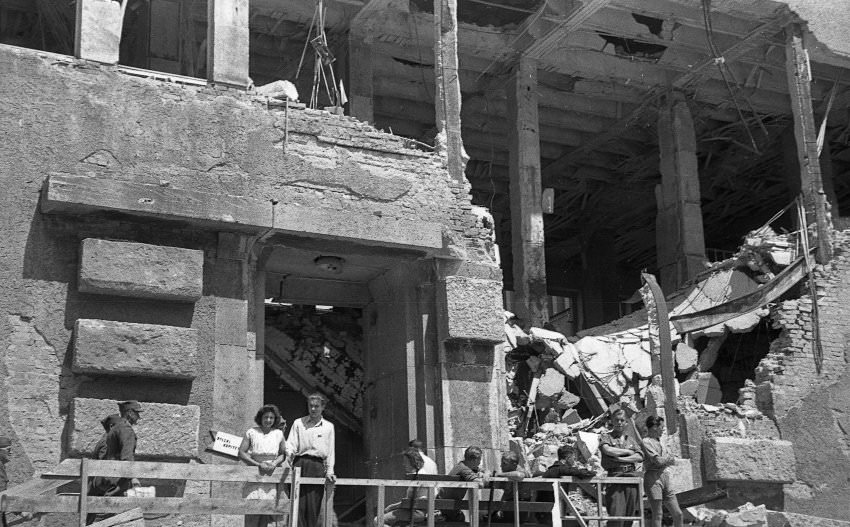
pixel 79 194
pixel 299 290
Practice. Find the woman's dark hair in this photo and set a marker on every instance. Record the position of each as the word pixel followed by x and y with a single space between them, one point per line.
pixel 413 457
pixel 266 408
pixel 652 421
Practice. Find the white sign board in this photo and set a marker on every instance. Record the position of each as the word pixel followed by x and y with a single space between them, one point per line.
pixel 226 444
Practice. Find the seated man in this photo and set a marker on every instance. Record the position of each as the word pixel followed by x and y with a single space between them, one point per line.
pixel 469 470
pixel 395 514
pixel 509 469
pixel 567 465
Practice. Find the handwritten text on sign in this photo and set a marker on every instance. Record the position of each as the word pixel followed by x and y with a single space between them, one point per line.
pixel 227 444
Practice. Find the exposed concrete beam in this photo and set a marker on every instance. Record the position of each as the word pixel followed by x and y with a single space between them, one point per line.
pixel 447 101
pixel 551 35
pixel 755 38
pixel 529 261
pixel 805 133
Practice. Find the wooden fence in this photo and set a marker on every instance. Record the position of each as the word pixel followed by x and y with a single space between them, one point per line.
pixel 39 496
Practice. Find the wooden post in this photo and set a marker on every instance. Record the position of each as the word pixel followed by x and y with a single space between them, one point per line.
pixel 799 86
pixel 447 94
pixel 382 496
pixel 529 260
pixel 227 42
pixel 473 507
pixel 516 504
pixel 679 234
pixel 295 497
pixel 84 490
pixel 329 503
pixel 432 495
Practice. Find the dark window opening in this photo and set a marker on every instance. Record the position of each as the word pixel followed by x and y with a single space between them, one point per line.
pixel 43 25
pixel 626 47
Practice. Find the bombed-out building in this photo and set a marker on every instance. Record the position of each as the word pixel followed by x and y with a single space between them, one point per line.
pixel 183 227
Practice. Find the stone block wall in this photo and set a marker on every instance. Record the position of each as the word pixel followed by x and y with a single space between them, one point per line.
pixel 810 408
pixel 58 264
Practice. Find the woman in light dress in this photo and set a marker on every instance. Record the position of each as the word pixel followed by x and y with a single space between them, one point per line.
pixel 265 448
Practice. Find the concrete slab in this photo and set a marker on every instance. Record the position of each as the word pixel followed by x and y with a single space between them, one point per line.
pixel 141 270
pixel 124 348
pixel 738 459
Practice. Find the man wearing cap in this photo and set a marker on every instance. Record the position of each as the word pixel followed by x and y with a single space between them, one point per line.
pixel 121 441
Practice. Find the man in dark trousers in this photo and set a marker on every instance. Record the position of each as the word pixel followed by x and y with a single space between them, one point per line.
pixel 468 470
pixel 5 454
pixel 121 443
pixel 311 443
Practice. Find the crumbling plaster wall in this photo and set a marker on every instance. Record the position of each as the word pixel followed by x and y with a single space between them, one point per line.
pixel 71 117
pixel 811 410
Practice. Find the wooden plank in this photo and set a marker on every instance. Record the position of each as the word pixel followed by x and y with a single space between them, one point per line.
pixel 474 509
pixel 35 487
pixel 392 483
pixel 131 518
pixel 701 495
pixel 432 495
pixel 161 470
pixel 805 132
pixel 668 372
pixel 295 496
pixel 572 507
pixel 188 505
pixel 84 491
pixel 465 505
pixel 382 496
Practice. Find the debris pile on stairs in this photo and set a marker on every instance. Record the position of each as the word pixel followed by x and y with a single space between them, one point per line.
pixel 322 348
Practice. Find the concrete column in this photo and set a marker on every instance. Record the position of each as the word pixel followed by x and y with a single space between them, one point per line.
pixel 98 30
pixel 447 94
pixel 679 233
pixel 227 42
pixel 527 237
pixel 805 133
pixel 361 102
pixel 234 384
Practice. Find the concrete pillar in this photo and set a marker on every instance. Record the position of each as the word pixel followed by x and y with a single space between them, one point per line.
pixel 799 87
pixel 679 233
pixel 447 93
pixel 227 42
pixel 527 237
pixel 361 102
pixel 235 384
pixel 98 30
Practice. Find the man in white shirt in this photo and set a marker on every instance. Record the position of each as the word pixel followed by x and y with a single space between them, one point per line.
pixel 430 466
pixel 311 445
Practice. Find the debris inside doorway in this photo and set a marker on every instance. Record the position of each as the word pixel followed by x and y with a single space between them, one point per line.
pixel 319 348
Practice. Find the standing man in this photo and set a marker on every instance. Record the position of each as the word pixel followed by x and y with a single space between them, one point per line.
pixel 620 454
pixel 5 455
pixel 121 444
pixel 311 443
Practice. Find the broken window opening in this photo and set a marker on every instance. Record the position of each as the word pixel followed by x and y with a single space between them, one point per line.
pixel 627 47
pixel 655 25
pixel 738 357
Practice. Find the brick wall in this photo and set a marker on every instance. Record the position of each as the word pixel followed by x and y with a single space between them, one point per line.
pixel 810 409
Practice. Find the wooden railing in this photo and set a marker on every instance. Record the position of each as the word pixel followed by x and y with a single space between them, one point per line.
pixel 38 495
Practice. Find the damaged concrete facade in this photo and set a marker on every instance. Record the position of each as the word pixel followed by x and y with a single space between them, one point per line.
pixel 147 218
pixel 145 223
